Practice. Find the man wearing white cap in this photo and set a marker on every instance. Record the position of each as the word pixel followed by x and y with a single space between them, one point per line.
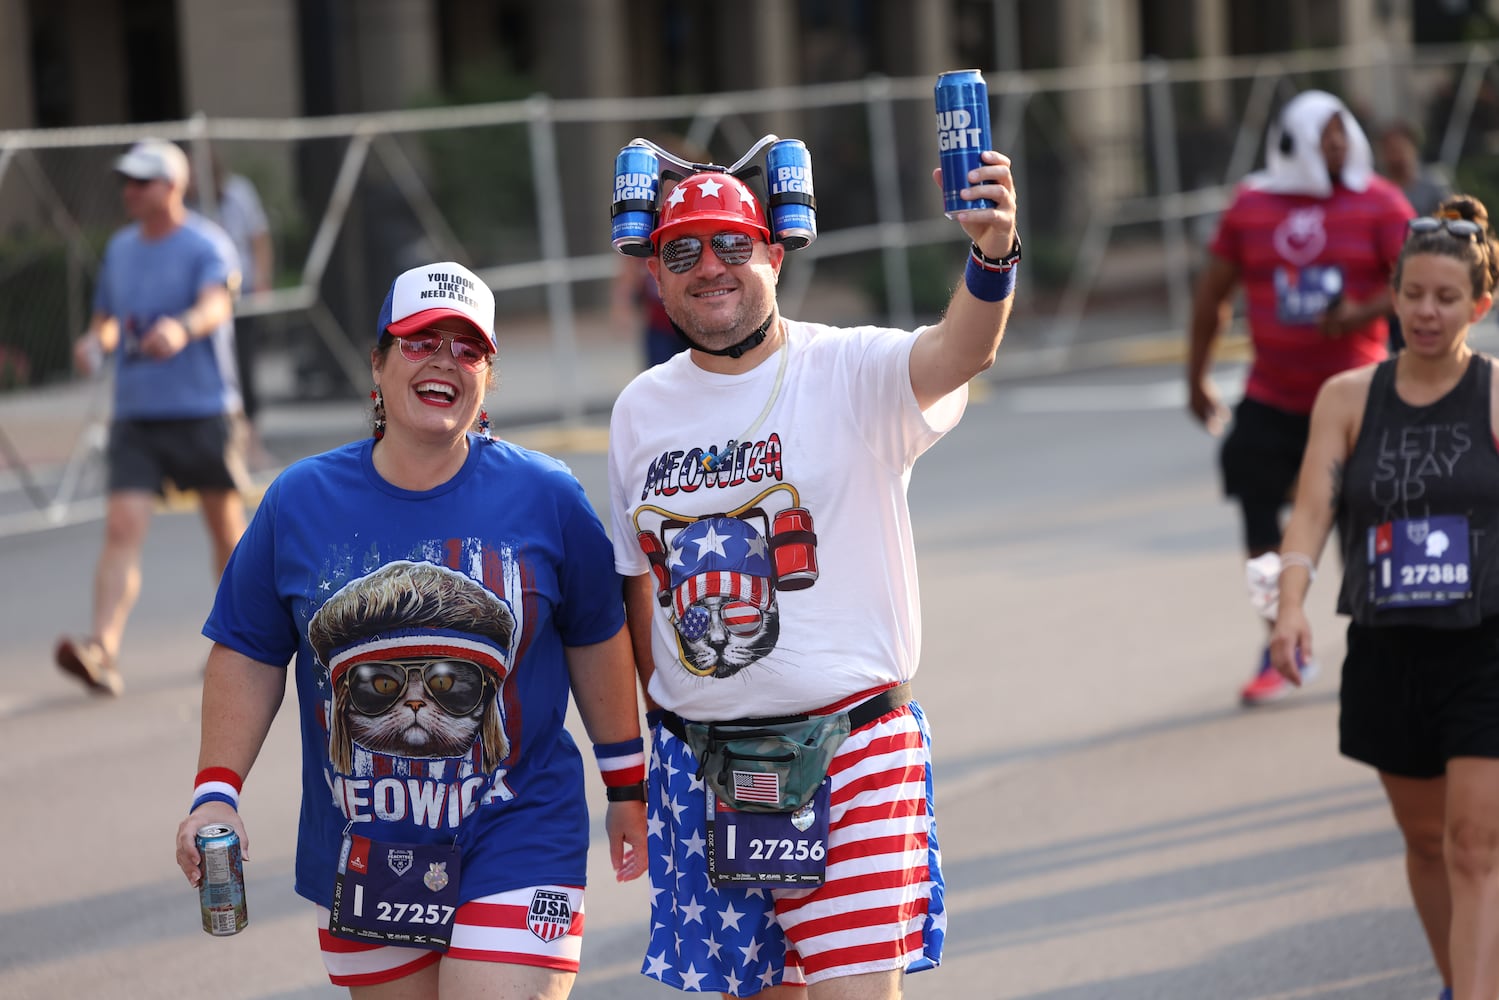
pixel 163 309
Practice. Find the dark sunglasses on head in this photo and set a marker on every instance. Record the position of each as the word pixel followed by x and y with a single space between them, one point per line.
pixel 1461 228
pixel 469 352
pixel 376 686
pixel 682 254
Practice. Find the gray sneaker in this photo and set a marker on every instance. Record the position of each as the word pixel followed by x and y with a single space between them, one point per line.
pixel 88 661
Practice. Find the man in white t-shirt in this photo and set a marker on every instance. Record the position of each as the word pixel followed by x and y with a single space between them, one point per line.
pixel 758 497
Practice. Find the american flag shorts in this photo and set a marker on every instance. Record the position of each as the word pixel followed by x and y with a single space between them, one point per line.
pixel 880 909
pixel 509 927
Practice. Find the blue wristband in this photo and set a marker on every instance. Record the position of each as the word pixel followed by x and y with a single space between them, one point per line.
pixel 624 748
pixel 215 797
pixel 988 284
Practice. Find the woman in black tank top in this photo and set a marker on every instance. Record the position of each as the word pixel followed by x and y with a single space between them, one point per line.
pixel 1402 458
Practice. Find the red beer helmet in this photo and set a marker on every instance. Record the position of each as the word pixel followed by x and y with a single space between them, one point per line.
pixel 712 197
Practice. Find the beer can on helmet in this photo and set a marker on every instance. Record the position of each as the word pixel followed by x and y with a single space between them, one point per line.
pixel 221 894
pixel 637 181
pixel 793 208
pixel 962 134
pixel 712 196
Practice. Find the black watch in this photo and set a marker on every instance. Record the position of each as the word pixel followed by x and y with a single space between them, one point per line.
pixel 625 793
pixel 1004 263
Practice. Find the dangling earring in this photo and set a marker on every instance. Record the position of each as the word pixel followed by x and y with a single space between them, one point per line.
pixel 379 423
pixel 483 421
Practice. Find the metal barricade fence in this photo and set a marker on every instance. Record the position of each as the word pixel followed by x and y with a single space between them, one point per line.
pixel 1121 171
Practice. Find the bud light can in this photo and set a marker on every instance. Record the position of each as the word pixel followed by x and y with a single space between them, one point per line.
pixel 637 180
pixel 962 134
pixel 793 209
pixel 221 894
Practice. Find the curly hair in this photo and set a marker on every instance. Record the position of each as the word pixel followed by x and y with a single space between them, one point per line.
pixel 1481 256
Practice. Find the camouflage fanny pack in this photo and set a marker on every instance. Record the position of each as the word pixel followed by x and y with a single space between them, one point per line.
pixel 770 766
pixel 775 764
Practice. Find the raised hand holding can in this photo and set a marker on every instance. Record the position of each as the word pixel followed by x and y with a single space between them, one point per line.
pixel 962 100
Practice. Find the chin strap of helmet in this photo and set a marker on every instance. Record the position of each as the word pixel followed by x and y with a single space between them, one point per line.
pixel 734 350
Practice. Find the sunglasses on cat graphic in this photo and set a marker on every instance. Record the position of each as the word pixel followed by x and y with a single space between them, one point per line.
pixel 739 618
pixel 682 254
pixel 376 686
pixel 1461 228
pixel 471 353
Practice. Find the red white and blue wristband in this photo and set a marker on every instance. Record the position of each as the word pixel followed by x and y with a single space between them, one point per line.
pixel 216 784
pixel 990 279
pixel 622 766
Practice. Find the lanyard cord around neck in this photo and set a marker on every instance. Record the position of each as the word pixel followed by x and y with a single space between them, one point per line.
pixel 711 461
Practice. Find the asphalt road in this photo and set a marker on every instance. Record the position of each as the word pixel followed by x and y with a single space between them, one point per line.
pixel 1113 824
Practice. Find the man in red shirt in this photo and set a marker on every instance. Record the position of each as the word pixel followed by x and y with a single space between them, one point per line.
pixel 1313 239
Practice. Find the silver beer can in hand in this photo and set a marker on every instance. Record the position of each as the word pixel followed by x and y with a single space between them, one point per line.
pixel 221 893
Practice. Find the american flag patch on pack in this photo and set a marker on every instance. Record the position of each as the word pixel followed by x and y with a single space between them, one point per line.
pixel 755 786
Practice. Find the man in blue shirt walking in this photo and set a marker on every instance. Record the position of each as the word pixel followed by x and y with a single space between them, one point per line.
pixel 163 309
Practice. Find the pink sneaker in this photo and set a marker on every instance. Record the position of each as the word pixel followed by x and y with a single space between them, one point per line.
pixel 1268 685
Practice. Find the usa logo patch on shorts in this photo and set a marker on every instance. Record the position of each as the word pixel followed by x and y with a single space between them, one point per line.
pixel 550 915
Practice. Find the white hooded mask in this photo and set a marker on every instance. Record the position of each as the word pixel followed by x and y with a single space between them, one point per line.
pixel 1303 170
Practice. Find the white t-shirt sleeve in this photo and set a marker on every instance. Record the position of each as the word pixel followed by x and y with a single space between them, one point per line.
pixel 629 560
pixel 874 366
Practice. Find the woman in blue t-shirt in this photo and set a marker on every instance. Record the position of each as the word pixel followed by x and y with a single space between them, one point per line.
pixel 438 594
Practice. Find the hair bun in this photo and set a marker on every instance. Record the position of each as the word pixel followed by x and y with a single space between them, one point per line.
pixel 1464 206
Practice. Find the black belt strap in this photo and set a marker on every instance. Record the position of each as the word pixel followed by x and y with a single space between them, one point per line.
pixel 859 716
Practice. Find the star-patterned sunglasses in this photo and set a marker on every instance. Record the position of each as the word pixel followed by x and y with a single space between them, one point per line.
pixel 682 254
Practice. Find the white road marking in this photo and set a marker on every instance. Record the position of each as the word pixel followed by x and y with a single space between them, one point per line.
pixel 1112 398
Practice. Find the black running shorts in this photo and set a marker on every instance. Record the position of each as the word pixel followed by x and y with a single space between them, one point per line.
pixel 204 453
pixel 1261 456
pixel 1413 698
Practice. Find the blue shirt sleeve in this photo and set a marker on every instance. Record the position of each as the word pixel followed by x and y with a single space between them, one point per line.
pixel 591 608
pixel 249 615
pixel 219 263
